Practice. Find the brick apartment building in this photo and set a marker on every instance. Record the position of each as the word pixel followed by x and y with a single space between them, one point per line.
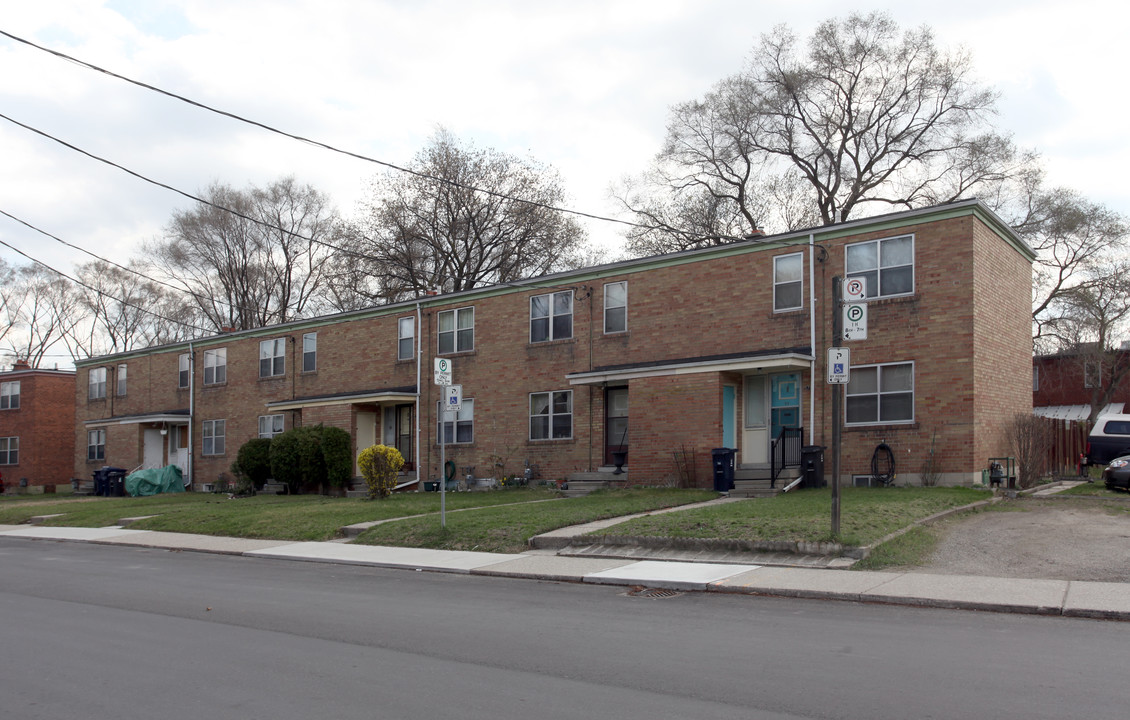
pixel 719 347
pixel 37 426
pixel 1065 384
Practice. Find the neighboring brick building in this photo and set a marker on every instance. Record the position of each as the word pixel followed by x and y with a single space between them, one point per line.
pixel 1065 384
pixel 37 426
pixel 687 351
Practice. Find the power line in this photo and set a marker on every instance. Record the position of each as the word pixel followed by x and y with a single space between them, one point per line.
pixel 326 146
pixel 103 293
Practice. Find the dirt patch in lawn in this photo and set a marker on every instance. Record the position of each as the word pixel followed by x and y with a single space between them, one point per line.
pixel 1051 539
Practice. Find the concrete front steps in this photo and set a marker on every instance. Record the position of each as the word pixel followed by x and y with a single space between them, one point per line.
pixel 753 481
pixel 583 483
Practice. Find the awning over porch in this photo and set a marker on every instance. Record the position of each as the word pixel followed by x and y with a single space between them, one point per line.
pixel 172 417
pixel 798 358
pixel 384 395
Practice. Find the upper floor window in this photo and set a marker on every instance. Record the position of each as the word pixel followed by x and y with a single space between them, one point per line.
pixel 123 377
pixel 880 394
pixel 551 316
pixel 616 307
pixel 95 445
pixel 551 415
pixel 9 451
pixel 1035 378
pixel 212 437
pixel 270 425
pixel 97 384
pixel 215 366
pixel 10 395
pixel 405 338
pixel 886 265
pixel 788 282
pixel 1092 374
pixel 457 330
pixel 459 426
pixel 183 367
pixel 309 352
pixel 272 357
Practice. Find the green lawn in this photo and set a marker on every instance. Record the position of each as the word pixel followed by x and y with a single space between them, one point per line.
pixel 509 529
pixel 866 515
pixel 278 517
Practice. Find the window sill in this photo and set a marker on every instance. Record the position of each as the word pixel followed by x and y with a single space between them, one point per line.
pixel 550 343
pixel 457 354
pixel 552 441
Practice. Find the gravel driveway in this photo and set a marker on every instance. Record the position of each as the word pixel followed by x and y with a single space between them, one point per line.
pixel 1058 539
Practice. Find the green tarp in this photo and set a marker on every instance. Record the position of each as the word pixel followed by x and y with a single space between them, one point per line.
pixel 155 480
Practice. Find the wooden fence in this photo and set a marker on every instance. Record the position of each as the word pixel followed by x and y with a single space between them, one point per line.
pixel 1067 441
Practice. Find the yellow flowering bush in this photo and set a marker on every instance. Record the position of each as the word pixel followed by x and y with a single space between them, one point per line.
pixel 379 465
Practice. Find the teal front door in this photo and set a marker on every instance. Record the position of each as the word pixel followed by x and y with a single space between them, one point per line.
pixel 729 416
pixel 784 403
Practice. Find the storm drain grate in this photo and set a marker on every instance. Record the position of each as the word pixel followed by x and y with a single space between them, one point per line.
pixel 652 592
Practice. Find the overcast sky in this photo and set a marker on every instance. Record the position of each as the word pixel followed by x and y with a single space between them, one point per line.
pixel 581 85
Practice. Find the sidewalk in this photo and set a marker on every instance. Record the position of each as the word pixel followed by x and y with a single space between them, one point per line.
pixel 1042 597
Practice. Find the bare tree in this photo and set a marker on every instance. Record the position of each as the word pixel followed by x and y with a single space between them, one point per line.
pixel 126 310
pixel 866 116
pixel 47 308
pixel 251 258
pixel 465 218
pixel 1093 317
pixel 7 299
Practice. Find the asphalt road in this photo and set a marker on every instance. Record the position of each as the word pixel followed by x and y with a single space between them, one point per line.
pixel 115 632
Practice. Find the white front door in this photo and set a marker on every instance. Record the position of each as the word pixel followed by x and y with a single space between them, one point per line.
pixel 178 448
pixel 755 425
pixel 366 435
pixel 153 449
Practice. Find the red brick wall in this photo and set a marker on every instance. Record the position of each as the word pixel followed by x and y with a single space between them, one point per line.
pixel 44 423
pixel 965 328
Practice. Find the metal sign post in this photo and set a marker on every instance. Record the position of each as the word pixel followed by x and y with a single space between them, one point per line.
pixel 837 397
pixel 443 373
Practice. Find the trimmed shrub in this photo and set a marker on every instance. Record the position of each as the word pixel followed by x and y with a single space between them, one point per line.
pixel 253 462
pixel 379 465
pixel 296 458
pixel 337 452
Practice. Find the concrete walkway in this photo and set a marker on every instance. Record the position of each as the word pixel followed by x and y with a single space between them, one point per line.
pixel 1044 597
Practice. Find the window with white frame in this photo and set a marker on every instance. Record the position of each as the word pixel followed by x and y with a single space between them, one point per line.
pixel 183 368
pixel 616 307
pixel 9 451
pixel 551 316
pixel 270 425
pixel 272 357
pixel 887 265
pixel 95 445
pixel 309 352
pixel 212 437
pixel 96 384
pixel 551 415
pixel 457 330
pixel 1092 374
pixel 10 395
pixel 458 426
pixel 880 394
pixel 788 282
pixel 216 366
pixel 405 338
pixel 123 380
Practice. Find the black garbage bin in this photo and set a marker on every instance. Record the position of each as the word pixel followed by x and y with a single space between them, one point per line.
pixel 113 481
pixel 100 482
pixel 723 469
pixel 812 465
